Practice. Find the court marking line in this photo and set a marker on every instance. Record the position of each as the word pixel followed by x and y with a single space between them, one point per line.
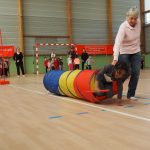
pixel 125 93
pixel 67 99
pixel 26 78
pixel 144 98
pixel 103 110
pixel 139 97
pixel 128 106
pixel 32 91
pixel 82 113
pixel 54 117
pixel 35 81
pixel 146 103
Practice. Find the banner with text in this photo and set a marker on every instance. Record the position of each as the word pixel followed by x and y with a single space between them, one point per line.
pixel 6 51
pixel 95 49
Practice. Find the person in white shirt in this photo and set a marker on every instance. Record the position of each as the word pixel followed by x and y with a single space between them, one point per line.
pixel 70 64
pixel 53 55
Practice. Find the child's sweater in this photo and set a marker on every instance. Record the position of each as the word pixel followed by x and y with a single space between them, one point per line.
pixel 107 75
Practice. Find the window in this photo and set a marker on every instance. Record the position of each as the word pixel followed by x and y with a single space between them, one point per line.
pixel 147 5
pixel 147 12
pixel 147 18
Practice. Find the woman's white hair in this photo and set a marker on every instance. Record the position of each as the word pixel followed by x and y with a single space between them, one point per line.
pixel 133 11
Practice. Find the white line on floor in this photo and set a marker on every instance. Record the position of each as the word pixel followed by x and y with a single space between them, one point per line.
pixel 86 104
pixel 138 93
pixel 33 91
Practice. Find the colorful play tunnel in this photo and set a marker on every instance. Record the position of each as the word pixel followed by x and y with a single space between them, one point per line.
pixel 76 84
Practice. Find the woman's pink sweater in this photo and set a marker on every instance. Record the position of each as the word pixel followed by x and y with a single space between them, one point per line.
pixel 127 40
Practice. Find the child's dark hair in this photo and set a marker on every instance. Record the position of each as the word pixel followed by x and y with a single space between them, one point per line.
pixel 123 66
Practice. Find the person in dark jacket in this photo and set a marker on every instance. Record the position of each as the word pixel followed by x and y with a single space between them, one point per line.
pixel 18 58
pixel 7 63
pixel 105 77
pixel 142 63
pixel 84 57
pixel 60 63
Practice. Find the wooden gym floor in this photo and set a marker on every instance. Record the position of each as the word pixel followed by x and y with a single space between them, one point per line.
pixel 33 119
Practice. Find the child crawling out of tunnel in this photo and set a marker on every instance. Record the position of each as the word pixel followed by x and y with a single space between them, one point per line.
pixel 105 78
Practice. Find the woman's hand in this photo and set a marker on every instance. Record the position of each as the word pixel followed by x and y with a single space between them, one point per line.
pixel 114 62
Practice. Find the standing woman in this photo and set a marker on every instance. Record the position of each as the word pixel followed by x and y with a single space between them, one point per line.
pixel 18 58
pixel 127 48
pixel 84 57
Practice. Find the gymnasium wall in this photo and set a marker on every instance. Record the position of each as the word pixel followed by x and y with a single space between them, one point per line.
pixel 147 38
pixel 9 23
pixel 44 18
pixel 49 18
pixel 147 60
pixel 89 20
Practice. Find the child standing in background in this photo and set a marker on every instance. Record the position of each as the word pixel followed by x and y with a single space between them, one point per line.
pixel 52 55
pixel 60 63
pixel 48 65
pixel 77 62
pixel 1 68
pixel 142 63
pixel 72 54
pixel 52 64
pixel 89 61
pixel 5 68
pixel 56 63
pixel 70 64
pixel 45 64
pixel 8 63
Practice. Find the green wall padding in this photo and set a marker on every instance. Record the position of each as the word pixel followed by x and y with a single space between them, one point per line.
pixel 147 61
pixel 12 67
pixel 30 63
